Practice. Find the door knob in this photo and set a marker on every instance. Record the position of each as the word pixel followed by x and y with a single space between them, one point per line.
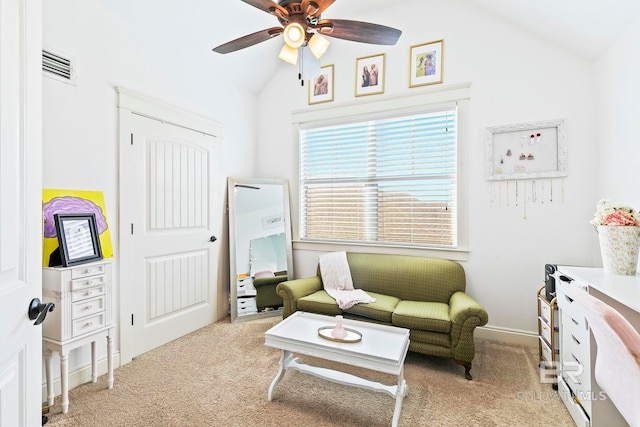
pixel 213 239
pixel 38 311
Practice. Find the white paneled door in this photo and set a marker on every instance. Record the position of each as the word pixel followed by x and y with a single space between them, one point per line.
pixel 20 211
pixel 169 225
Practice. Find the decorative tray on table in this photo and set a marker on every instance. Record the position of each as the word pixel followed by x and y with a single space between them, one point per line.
pixel 352 335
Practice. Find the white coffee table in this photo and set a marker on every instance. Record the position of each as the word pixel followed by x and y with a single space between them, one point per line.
pixel 382 348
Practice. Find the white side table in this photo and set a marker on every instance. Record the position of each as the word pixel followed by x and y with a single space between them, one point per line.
pixel 83 296
pixel 64 348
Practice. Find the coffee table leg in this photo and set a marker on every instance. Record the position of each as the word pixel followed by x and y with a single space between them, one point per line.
pixel 285 357
pixel 401 392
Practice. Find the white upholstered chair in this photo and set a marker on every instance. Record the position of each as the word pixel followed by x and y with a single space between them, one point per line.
pixel 617 367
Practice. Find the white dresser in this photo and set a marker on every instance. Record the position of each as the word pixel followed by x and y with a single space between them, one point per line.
pixel 246 297
pixel 577 386
pixel 83 313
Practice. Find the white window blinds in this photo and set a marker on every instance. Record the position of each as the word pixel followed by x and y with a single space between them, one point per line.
pixel 389 180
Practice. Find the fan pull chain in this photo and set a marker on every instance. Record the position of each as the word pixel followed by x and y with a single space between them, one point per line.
pixel 301 67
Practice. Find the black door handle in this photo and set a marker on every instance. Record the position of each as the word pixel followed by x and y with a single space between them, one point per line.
pixel 38 311
pixel 213 239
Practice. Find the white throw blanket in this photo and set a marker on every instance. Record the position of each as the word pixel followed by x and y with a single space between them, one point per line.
pixel 336 278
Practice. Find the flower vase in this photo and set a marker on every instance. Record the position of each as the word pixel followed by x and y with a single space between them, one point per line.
pixel 619 248
pixel 338 332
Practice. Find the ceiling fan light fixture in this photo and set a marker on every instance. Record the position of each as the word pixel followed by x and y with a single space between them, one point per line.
pixel 318 45
pixel 289 54
pixel 294 35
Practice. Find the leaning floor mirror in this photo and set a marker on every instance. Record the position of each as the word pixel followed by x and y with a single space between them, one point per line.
pixel 260 253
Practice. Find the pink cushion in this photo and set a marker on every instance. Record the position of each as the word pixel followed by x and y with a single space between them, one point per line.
pixel 264 273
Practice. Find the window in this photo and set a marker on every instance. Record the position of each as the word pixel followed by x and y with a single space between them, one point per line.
pixel 387 178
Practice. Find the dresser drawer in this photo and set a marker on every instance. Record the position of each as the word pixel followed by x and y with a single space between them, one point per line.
pixel 547 355
pixel 582 393
pixel 576 371
pixel 545 330
pixel 569 308
pixel 247 306
pixel 88 324
pixel 87 293
pixel 249 303
pixel 246 310
pixel 545 310
pixel 88 282
pixel 87 307
pixel 575 329
pixel 575 410
pixel 87 270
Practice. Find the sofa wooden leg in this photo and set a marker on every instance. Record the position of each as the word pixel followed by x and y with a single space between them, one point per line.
pixel 467 368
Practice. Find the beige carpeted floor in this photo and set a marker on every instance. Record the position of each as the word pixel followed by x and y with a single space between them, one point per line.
pixel 219 376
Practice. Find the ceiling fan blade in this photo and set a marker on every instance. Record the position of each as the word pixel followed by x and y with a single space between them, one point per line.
pixel 248 40
pixel 358 31
pixel 267 6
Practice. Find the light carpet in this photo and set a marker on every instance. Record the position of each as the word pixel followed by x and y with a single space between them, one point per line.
pixel 220 374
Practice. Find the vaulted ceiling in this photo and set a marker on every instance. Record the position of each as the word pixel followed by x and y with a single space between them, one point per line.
pixel 584 27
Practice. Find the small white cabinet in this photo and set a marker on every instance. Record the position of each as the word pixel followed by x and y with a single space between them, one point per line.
pixel 83 313
pixel 587 403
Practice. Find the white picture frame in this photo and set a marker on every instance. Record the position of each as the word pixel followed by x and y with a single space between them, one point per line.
pixel 526 150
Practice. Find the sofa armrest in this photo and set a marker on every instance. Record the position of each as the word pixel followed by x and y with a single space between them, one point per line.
pixel 290 291
pixel 462 307
pixel 466 314
pixel 264 281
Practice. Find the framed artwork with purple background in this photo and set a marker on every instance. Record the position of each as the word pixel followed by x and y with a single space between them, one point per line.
pixel 61 201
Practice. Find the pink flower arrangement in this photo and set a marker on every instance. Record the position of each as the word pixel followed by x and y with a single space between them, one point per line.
pixel 610 214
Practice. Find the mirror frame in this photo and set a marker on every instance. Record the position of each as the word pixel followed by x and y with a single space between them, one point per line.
pixel 233 273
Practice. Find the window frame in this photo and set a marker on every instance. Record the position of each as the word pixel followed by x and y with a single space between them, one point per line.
pixel 413 102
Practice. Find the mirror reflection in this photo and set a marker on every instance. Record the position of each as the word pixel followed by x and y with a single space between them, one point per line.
pixel 259 245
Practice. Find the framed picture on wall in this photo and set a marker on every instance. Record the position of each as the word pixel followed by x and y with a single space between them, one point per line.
pixel 370 75
pixel 425 63
pixel 321 86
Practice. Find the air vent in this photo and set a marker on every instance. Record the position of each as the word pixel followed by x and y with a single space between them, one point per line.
pixel 58 67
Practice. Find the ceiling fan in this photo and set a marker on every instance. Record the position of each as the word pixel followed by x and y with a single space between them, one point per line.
pixel 302 26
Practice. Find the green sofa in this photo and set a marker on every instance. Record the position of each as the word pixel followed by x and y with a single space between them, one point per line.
pixel 425 295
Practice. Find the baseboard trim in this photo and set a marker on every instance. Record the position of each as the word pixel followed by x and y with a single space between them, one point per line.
pixel 79 376
pixel 507 336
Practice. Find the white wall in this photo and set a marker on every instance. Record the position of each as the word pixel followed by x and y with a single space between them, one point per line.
pixel 120 43
pixel 514 78
pixel 619 112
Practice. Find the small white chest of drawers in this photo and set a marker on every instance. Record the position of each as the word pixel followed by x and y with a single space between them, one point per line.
pixel 587 403
pixel 83 313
